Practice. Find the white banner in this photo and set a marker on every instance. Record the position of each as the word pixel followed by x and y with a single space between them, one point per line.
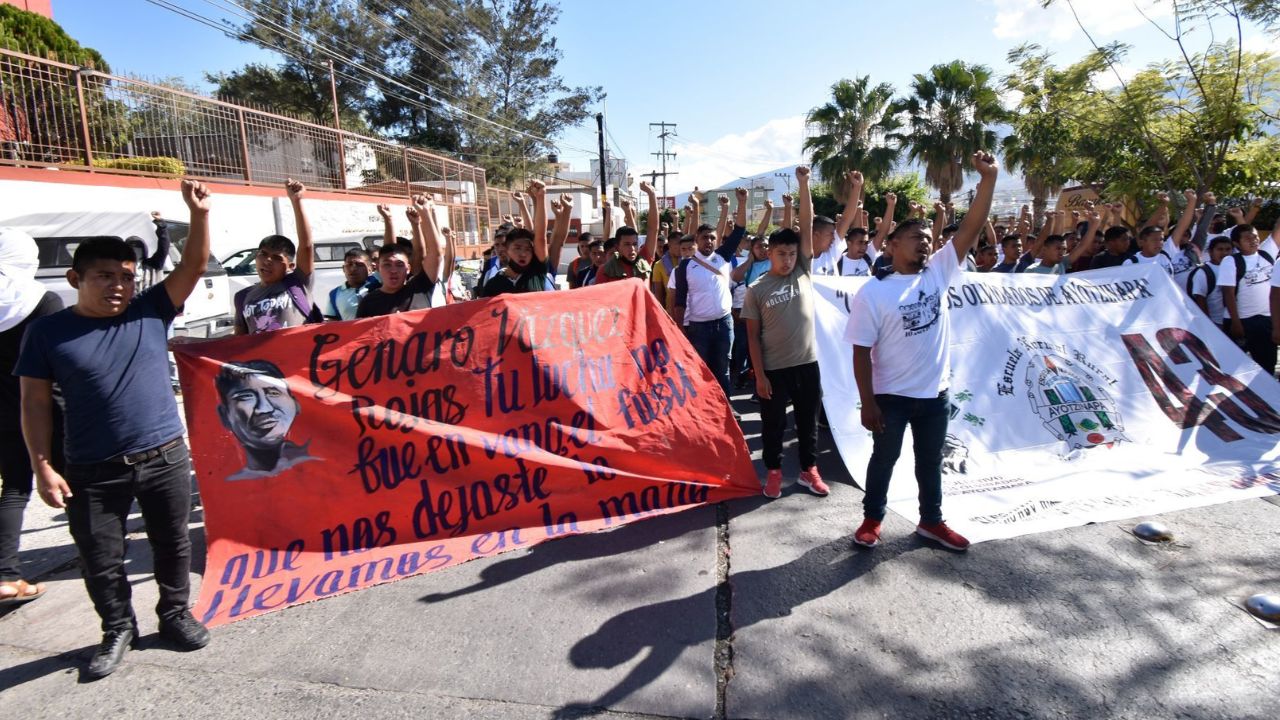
pixel 1090 397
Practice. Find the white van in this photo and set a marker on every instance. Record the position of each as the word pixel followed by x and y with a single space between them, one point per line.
pixel 329 255
pixel 207 312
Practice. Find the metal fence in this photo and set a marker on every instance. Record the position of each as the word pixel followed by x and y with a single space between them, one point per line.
pixel 57 115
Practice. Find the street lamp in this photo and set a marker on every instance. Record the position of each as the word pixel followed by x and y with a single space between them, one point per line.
pixel 786 177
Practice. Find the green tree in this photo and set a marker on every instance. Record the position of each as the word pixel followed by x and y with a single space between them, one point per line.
pixel 430 45
pixel 948 118
pixel 852 132
pixel 1042 139
pixel 1189 122
pixel 33 34
pixel 36 116
pixel 514 84
pixel 309 34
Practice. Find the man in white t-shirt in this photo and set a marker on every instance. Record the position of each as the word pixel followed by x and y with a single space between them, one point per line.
pixel 704 297
pixel 1246 281
pixel 859 255
pixel 1151 250
pixel 901 332
pixel 1202 282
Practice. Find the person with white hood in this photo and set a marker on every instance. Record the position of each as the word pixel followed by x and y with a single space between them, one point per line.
pixel 22 300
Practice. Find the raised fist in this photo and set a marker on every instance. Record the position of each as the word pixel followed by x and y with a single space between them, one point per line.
pixel 891 198
pixel 294 188
pixel 985 164
pixel 566 200
pixel 741 193
pixel 802 172
pixel 536 188
pixel 626 204
pixel 1210 199
pixel 853 177
pixel 195 195
pixel 787 199
pixel 384 210
pixel 412 213
pixel 723 199
pixel 518 195
pixel 1190 197
pixel 646 188
pixel 1163 197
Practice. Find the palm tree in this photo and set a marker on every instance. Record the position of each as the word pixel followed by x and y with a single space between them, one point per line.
pixel 1041 144
pixel 852 132
pixel 1024 157
pixel 948 114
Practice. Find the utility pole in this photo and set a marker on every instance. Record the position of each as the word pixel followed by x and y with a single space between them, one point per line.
pixel 604 172
pixel 337 125
pixel 662 156
pixel 786 177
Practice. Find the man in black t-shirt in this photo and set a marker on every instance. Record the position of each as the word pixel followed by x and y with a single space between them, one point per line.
pixel 1116 241
pixel 404 286
pixel 109 355
pixel 527 252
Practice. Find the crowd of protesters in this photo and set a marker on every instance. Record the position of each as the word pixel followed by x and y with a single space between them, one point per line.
pixel 84 415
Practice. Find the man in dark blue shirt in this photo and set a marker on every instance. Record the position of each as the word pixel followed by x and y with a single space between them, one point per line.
pixel 109 355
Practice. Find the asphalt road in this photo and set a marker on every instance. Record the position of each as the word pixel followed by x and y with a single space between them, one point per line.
pixel 761 609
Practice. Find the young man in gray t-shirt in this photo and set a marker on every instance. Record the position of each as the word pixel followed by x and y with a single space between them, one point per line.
pixel 283 296
pixel 778 311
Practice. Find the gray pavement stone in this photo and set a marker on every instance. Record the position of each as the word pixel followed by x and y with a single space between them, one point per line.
pixel 544 628
pixel 1086 622
pixel 146 688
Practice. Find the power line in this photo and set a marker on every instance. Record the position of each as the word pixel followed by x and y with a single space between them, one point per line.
pixel 376 17
pixel 356 64
pixel 378 74
pixel 407 19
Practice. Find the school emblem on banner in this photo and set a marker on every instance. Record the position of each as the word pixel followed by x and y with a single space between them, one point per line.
pixel 1071 401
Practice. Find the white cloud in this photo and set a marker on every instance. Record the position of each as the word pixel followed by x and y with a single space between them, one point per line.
pixel 1107 79
pixel 710 165
pixel 1026 19
pixel 1259 42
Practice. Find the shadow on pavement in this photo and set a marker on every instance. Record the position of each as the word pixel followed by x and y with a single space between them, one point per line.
pixel 16 675
pixel 650 630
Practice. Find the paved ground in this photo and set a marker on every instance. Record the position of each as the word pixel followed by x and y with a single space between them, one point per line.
pixel 756 610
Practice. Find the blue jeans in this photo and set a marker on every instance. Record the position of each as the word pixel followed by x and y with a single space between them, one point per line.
pixel 928 421
pixel 101 496
pixel 713 341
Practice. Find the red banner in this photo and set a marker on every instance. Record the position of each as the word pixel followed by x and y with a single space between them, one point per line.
pixel 335 457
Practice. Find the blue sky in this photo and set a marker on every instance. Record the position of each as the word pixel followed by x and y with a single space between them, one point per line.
pixel 737 77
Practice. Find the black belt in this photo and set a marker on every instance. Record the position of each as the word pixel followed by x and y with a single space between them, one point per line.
pixel 145 455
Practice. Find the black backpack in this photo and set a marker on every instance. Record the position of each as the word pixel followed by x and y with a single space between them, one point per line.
pixel 840 265
pixel 1210 279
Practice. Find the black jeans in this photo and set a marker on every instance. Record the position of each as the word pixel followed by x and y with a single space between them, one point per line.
pixel 928 420
pixel 15 471
pixel 102 494
pixel 1257 342
pixel 800 386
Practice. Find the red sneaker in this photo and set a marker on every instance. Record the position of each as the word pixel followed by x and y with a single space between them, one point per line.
pixel 773 484
pixel 943 535
pixel 868 533
pixel 812 480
